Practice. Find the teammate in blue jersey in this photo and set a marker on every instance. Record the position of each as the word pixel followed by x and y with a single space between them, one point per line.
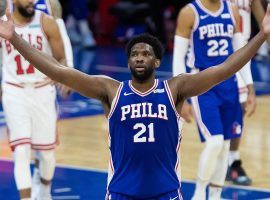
pixel 210 27
pixel 144 125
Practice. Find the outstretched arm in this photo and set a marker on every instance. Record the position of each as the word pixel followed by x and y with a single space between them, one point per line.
pixel 95 87
pixel 197 84
pixel 258 11
pixel 192 85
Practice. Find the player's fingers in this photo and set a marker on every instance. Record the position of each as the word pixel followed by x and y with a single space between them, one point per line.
pixel 268 9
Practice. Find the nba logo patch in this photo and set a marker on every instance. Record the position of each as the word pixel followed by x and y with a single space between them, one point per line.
pixel 237 128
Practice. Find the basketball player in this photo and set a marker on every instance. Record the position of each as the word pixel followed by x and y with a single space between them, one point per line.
pixel 144 125
pixel 53 8
pixel 210 26
pixel 29 97
pixel 236 173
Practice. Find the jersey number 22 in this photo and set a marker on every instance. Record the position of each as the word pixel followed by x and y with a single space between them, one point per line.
pixel 217 48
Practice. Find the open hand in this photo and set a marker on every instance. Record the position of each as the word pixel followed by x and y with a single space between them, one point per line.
pixel 6 26
pixel 266 21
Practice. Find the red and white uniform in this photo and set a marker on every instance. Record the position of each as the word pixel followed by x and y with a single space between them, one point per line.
pixel 245 12
pixel 244 7
pixel 28 95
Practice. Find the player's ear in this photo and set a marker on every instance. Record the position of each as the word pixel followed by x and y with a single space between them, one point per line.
pixel 157 63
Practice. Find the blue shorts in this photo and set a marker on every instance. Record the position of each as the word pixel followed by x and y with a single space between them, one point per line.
pixel 174 195
pixel 218 114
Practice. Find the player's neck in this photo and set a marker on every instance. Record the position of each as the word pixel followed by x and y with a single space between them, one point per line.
pixel 211 5
pixel 19 19
pixel 143 86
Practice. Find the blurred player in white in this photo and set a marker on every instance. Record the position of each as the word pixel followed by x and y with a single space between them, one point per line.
pixel 53 8
pixel 236 173
pixel 29 98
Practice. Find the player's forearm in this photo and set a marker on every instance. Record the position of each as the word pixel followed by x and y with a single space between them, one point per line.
pixel 41 61
pixel 214 75
pixel 238 59
pixel 89 86
pixel 179 52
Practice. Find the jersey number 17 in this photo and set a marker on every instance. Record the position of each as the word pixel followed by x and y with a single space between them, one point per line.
pixel 20 70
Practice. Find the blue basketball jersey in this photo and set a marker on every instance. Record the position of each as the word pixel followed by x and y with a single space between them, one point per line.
pixel 144 134
pixel 44 6
pixel 211 41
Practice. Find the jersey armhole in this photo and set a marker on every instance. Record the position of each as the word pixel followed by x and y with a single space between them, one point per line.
pixel 168 91
pixel 196 22
pixel 115 100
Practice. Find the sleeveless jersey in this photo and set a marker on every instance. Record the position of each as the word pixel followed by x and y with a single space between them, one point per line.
pixel 211 40
pixel 245 13
pixel 15 68
pixel 42 5
pixel 144 136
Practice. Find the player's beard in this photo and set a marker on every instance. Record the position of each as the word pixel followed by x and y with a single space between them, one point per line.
pixel 23 11
pixel 143 76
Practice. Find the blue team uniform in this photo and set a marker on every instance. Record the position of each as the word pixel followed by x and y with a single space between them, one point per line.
pixel 44 6
pixel 218 111
pixel 144 135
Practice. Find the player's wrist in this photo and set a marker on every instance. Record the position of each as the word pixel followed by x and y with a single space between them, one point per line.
pixel 251 89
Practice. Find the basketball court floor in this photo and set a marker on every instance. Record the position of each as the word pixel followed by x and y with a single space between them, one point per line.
pixel 82 155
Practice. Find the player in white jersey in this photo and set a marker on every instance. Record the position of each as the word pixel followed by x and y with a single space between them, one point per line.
pixel 29 97
pixel 236 173
pixel 53 8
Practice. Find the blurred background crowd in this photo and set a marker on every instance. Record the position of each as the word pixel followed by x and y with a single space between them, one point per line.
pixel 113 22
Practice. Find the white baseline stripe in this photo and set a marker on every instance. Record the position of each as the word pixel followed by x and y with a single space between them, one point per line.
pixel 66 197
pixel 62 190
pixel 110 68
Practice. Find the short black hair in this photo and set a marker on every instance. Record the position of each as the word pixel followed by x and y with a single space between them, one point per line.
pixel 148 39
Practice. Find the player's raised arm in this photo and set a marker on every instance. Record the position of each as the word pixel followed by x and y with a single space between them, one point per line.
pixel 91 86
pixel 193 85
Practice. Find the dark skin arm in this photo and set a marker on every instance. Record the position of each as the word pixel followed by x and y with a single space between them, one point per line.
pixel 98 87
pixel 188 85
pixel 105 89
pixel 52 32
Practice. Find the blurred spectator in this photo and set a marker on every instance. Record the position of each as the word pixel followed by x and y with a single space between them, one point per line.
pixel 77 24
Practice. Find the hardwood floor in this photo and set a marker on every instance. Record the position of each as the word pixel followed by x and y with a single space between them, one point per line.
pixel 84 143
